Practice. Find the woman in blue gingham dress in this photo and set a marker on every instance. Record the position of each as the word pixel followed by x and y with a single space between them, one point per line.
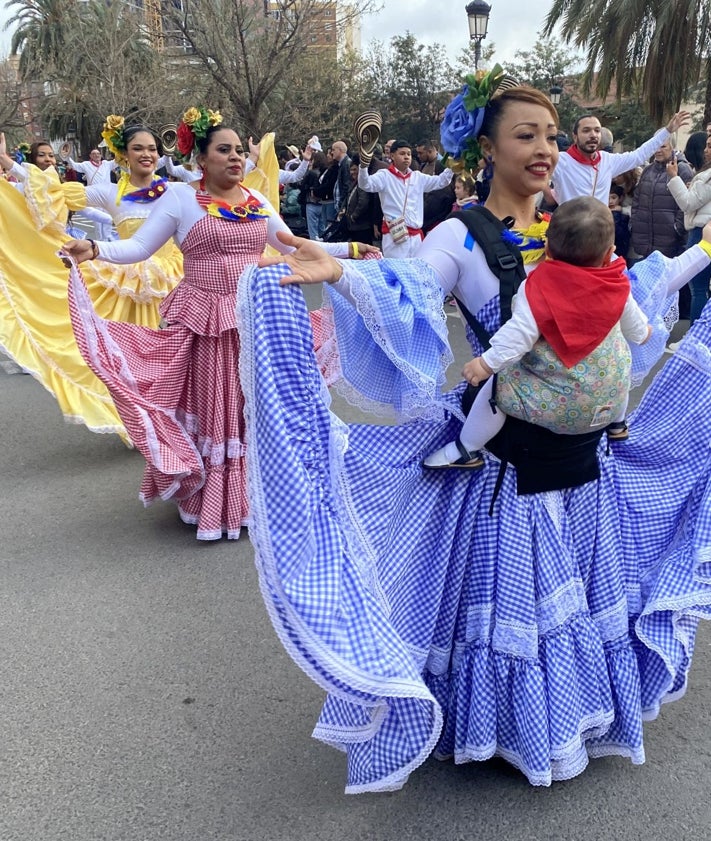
pixel 545 633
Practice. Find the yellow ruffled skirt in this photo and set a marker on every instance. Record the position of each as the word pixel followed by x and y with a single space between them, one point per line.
pixel 134 292
pixel 129 293
pixel 35 329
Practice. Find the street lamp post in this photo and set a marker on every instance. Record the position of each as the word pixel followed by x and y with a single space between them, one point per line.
pixel 478 16
pixel 555 93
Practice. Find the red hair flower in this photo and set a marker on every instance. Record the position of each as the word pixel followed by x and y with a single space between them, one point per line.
pixel 185 139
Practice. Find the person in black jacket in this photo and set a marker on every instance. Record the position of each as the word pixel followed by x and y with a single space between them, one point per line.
pixel 360 210
pixel 438 203
pixel 621 219
pixel 310 194
pixel 657 220
pixel 339 152
pixel 327 182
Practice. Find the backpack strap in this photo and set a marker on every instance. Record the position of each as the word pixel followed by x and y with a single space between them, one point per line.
pixel 482 334
pixel 505 261
pixel 502 257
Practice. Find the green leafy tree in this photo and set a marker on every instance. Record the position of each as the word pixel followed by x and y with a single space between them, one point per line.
pixel 106 70
pixel 545 64
pixel 660 46
pixel 41 29
pixel 102 63
pixel 411 84
pixel 628 121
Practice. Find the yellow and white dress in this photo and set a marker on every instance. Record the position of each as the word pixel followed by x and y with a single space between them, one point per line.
pixel 122 293
pixel 35 328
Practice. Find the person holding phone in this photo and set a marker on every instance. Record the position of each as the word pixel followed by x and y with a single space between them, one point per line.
pixel 657 220
pixel 695 201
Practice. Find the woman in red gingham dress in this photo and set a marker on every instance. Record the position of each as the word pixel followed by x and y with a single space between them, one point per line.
pixel 177 390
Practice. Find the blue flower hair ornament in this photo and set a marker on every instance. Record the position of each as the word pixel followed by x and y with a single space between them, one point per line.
pixel 21 153
pixel 464 116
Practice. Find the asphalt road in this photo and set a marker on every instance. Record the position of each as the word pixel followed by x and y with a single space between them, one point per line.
pixel 145 696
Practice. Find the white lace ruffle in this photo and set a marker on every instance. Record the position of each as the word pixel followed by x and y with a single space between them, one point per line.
pixel 423 402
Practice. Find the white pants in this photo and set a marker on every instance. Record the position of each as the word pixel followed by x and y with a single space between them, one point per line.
pixel 401 250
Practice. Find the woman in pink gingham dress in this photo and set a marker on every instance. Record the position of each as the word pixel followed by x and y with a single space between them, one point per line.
pixel 177 390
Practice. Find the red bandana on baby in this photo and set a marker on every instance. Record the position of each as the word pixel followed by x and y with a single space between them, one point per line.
pixel 403 175
pixel 575 308
pixel 577 155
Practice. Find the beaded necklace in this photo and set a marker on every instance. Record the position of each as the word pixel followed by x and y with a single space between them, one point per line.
pixel 530 241
pixel 143 195
pixel 246 211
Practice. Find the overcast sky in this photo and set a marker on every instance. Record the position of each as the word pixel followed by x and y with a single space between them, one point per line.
pixel 513 24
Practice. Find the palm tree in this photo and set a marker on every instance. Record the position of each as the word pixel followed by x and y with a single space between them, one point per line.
pixel 657 46
pixel 41 33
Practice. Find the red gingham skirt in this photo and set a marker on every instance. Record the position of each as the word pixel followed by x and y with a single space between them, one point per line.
pixel 176 390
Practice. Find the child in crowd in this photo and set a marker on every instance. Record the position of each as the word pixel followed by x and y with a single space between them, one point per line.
pixel 401 192
pixel 464 192
pixel 621 220
pixel 563 358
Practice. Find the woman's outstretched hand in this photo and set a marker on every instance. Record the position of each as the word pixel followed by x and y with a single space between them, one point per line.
pixel 78 249
pixel 361 249
pixel 309 263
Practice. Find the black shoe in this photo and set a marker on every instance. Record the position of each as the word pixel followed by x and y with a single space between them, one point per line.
pixel 618 431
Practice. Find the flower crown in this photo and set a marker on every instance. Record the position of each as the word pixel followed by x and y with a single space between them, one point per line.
pixel 464 115
pixel 112 133
pixel 194 125
pixel 21 153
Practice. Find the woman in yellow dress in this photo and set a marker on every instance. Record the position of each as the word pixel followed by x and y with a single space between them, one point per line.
pixel 35 330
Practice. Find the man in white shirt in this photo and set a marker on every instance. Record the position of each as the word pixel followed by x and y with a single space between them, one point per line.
pixel 96 171
pixel 584 170
pixel 401 194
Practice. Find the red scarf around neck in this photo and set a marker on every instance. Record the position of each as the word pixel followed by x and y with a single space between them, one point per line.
pixel 403 175
pixel 577 155
pixel 575 307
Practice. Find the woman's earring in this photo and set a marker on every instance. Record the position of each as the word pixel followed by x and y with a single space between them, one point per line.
pixel 488 168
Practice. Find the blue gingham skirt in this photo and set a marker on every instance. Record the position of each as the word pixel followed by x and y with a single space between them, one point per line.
pixel 544 634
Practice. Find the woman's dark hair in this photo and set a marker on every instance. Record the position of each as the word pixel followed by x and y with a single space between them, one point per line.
pixel 319 161
pixel 202 143
pixel 522 93
pixel 694 149
pixel 34 148
pixel 131 131
pixel 629 180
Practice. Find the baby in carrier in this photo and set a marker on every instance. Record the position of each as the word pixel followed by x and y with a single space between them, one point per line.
pixel 562 361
